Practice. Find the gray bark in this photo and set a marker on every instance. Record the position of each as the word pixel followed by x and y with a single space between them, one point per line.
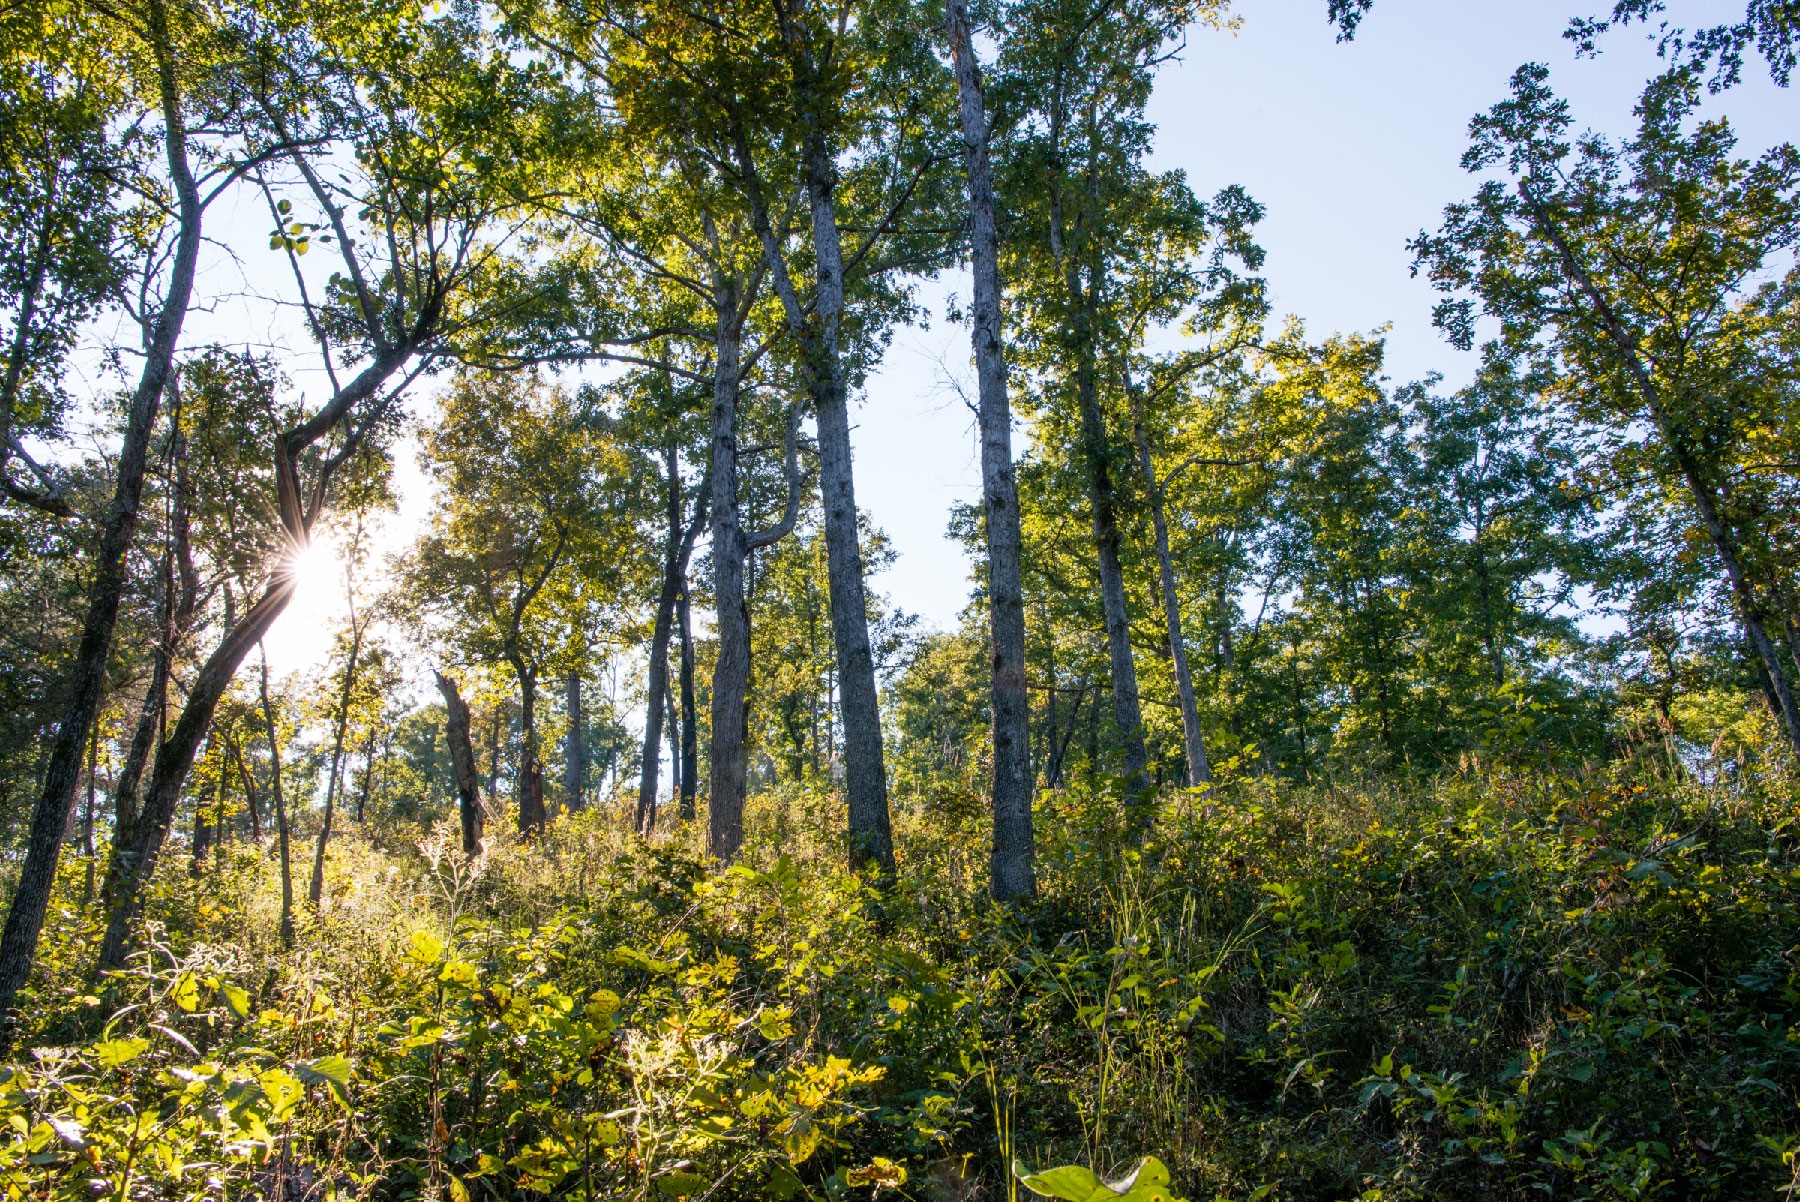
pixel 730 546
pixel 1199 770
pixel 870 839
pixel 690 733
pixel 1010 867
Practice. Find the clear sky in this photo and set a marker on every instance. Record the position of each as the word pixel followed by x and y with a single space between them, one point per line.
pixel 1351 148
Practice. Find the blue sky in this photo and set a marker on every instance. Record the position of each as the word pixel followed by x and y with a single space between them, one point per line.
pixel 1352 149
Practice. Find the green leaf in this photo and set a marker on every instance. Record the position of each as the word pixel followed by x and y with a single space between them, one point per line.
pixel 426 948
pixel 115 1052
pixel 1073 1182
pixel 330 1071
pixel 235 999
pixel 680 1184
pixel 186 993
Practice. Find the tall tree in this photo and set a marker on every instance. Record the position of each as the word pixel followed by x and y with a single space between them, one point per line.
pixel 1010 868
pixel 1634 277
pixel 174 44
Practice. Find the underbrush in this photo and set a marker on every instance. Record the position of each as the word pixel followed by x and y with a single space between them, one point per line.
pixel 1501 986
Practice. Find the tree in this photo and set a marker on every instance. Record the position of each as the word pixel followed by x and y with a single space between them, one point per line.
pixel 1010 869
pixel 168 66
pixel 1636 279
pixel 423 274
pixel 529 477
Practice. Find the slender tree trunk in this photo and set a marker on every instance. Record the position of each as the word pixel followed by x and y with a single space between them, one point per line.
pixel 368 777
pixel 1010 868
pixel 574 745
pixel 281 822
pixel 731 672
pixel 315 891
pixel 529 818
pixel 203 831
pixel 732 546
pixel 1053 774
pixel 87 819
pixel 31 899
pixel 658 684
pixel 222 814
pixel 690 733
pixel 1199 770
pixel 674 717
pixel 1127 712
pixel 493 785
pixel 250 799
pixel 871 840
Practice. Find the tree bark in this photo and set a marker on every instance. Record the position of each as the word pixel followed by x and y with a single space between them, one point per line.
pixel 673 712
pixel 1199 770
pixel 1010 867
pixel 31 900
pixel 87 819
pixel 730 546
pixel 574 745
pixel 1127 711
pixel 530 818
pixel 678 546
pixel 690 734
pixel 462 764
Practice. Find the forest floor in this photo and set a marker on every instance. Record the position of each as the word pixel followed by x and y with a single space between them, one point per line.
pixel 1495 985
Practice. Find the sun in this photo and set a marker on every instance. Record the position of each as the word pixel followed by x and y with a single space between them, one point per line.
pixel 301 637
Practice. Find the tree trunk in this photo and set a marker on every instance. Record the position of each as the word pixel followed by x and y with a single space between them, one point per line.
pixel 281 822
pixel 493 782
pixel 368 779
pixel 1199 771
pixel 731 547
pixel 250 800
pixel 1127 713
pixel 1010 868
pixel 528 803
pixel 462 764
pixel 87 820
pixel 673 713
pixel 31 899
pixel 870 839
pixel 574 745
pixel 690 734
pixel 731 672
pixel 315 891
pixel 658 684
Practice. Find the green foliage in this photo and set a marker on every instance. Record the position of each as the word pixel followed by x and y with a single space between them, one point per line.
pixel 1501 985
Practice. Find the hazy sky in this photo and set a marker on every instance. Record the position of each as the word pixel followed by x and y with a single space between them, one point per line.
pixel 1352 148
